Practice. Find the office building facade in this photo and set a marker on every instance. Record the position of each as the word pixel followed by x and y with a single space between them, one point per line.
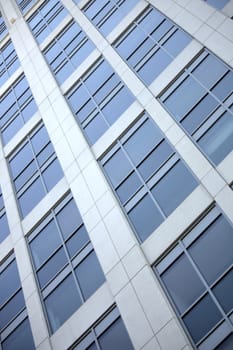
pixel 116 155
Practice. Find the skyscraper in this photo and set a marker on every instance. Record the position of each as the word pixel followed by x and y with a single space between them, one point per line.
pixel 116 202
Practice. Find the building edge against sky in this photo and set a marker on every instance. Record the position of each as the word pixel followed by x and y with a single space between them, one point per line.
pixel 116 220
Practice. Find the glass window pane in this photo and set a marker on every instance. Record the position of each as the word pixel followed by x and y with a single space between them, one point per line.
pixel 217 142
pixel 96 128
pixel 117 167
pixel 77 241
pixel 69 218
pixel 11 309
pixel 142 141
pixel 174 187
pixel 115 337
pixel 177 42
pixel 145 217
pixel 227 344
pixel 202 318
pixel 189 92
pixel 20 338
pixel 52 174
pixel 180 274
pixel 199 113
pixel 153 162
pixel 45 243
pixel 129 187
pixel 52 267
pixel 90 275
pixel 224 87
pixel 224 291
pixel 4 228
pixel 209 71
pixel 216 241
pixel 9 282
pixel 59 309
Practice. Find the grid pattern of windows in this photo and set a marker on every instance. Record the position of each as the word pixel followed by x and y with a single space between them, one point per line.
pixel 8 61
pixel 65 262
pixel 203 263
pixel 46 19
pixel 4 228
pixel 150 44
pixel 109 333
pixel 67 51
pixel 106 14
pixel 147 176
pixel 98 100
pixel 35 169
pixel 26 5
pixel 3 28
pixel 15 331
pixel 16 107
pixel 218 4
pixel 206 112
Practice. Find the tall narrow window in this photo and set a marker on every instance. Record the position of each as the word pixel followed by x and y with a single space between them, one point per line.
pixel 148 177
pixel 8 61
pixel 198 277
pixel 206 112
pixel 26 5
pixel 46 18
pixel 150 44
pixel 17 106
pixel 67 51
pixel 4 228
pixel 35 169
pixel 3 28
pixel 15 331
pixel 98 100
pixel 106 14
pixel 109 333
pixel 65 262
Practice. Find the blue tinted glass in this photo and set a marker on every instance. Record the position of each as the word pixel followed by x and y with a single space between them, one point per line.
pixel 189 92
pixel 69 218
pixel 174 187
pixel 31 197
pixel 11 309
pixel 9 281
pixel 90 275
pixel 59 309
pixel 142 141
pixel 216 241
pixel 224 291
pixel 52 267
pixel 128 187
pixel 45 243
pixel 177 42
pixel 52 174
pixel 117 167
pixel 217 142
pixel 96 128
pixel 21 159
pixel 176 276
pixel 115 337
pixel 224 86
pixel 145 217
pixel 198 325
pixel 4 228
pixel 77 241
pixel 20 338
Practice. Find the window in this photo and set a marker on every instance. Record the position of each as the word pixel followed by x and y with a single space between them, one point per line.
pixel 151 180
pixel 8 61
pixel 150 44
pixel 35 169
pixel 218 4
pixel 107 14
pixel 202 261
pixel 15 331
pixel 16 107
pixel 67 51
pixel 65 262
pixel 109 333
pixel 98 100
pixel 206 112
pixel 4 228
pixel 3 28
pixel 46 19
pixel 26 5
